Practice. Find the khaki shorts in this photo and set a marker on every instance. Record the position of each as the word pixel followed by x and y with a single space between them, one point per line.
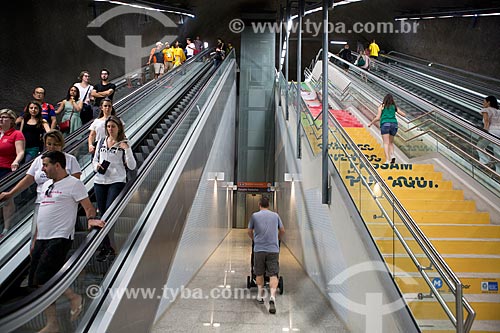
pixel 159 68
pixel 168 66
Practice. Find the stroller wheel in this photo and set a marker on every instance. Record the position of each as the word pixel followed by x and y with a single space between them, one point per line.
pixel 280 285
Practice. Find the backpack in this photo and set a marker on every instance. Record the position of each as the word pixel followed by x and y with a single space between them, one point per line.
pixel 361 61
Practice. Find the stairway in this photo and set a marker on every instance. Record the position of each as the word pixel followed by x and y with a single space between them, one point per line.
pixel 464 237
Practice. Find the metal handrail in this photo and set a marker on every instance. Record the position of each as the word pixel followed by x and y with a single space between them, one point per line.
pixel 435 258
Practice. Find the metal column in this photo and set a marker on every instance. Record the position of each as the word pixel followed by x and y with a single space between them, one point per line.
pixel 280 54
pixel 299 77
pixel 287 17
pixel 324 149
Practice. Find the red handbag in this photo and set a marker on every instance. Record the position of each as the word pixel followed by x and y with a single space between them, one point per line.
pixel 65 126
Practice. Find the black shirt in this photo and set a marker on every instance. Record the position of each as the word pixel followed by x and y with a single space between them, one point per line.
pixel 100 87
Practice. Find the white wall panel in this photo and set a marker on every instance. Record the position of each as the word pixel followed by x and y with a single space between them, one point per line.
pixel 210 216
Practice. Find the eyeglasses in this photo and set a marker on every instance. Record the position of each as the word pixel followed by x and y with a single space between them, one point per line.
pixel 5 117
pixel 49 190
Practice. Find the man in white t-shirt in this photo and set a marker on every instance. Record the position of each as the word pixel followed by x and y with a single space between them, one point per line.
pixel 190 47
pixel 55 229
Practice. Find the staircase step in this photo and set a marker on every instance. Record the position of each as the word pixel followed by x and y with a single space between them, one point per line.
pixel 457 263
pixel 443 246
pixel 431 309
pixel 435 230
pixel 430 205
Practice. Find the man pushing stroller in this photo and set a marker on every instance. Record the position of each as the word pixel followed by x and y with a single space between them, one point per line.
pixel 266 229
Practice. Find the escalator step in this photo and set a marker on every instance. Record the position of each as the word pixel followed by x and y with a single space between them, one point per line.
pixel 164 126
pixel 125 224
pixel 145 149
pixel 160 131
pixel 139 157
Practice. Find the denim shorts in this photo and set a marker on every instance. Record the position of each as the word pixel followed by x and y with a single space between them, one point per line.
pixel 389 128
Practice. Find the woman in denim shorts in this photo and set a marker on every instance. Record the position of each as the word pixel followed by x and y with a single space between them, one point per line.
pixel 388 125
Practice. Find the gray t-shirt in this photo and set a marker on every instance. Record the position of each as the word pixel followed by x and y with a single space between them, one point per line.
pixel 265 225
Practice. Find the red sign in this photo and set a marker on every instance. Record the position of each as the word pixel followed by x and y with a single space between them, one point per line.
pixel 254 184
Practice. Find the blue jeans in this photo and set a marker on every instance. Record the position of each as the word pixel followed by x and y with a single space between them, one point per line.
pixel 105 195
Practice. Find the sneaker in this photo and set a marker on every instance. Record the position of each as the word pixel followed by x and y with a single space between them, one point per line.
pixel 272 307
pixel 393 160
pixel 260 300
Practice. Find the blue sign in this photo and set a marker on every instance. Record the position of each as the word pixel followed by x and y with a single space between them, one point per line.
pixel 437 283
pixel 488 286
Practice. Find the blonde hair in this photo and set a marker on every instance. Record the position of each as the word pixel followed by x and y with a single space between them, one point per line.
pixel 11 114
pixel 54 134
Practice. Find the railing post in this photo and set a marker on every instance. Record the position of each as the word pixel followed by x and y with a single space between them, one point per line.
pixel 459 309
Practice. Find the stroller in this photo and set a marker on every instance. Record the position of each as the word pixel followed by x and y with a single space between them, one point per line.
pixel 251 280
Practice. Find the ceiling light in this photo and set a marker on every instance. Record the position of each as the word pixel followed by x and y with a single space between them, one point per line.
pixel 161 8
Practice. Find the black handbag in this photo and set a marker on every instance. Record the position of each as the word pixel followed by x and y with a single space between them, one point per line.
pixel 87 113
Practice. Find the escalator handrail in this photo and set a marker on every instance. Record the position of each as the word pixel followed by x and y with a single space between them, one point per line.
pixel 480 76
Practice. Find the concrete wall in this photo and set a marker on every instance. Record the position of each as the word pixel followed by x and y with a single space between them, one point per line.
pixel 45 43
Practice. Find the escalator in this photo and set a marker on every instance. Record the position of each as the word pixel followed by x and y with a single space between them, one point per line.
pixel 453 99
pixel 484 84
pixel 131 109
pixel 166 120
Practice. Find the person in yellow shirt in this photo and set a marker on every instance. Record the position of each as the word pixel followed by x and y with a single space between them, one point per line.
pixel 179 55
pixel 374 50
pixel 168 56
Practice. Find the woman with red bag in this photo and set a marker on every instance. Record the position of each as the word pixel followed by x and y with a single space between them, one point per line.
pixel 71 106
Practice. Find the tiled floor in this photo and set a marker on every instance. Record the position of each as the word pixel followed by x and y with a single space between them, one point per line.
pixel 222 302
